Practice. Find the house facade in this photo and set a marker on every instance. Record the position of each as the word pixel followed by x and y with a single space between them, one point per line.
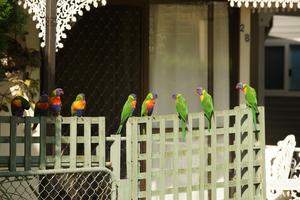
pixel 171 46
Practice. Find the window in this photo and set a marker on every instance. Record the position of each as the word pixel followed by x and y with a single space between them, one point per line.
pixel 282 67
pixel 274 67
pixel 294 69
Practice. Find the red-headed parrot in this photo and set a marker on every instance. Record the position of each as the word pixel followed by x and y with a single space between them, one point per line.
pixel 127 111
pixel 18 105
pixel 148 104
pixel 250 97
pixel 182 112
pixel 206 102
pixel 78 106
pixel 41 108
pixel 55 102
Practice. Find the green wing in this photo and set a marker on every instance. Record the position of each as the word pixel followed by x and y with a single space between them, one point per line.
pixel 126 113
pixel 144 110
pixel 250 97
pixel 25 103
pixel 251 101
pixel 208 108
pixel 182 110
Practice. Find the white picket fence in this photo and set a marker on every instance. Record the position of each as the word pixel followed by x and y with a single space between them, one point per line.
pixel 225 163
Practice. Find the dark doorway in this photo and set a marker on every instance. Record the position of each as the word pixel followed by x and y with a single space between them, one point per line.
pixel 103 58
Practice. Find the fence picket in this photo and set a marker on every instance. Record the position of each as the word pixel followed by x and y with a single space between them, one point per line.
pixel 162 130
pixel 58 152
pixel 27 144
pixel 238 153
pixel 87 142
pixel 226 156
pixel 73 142
pixel 202 154
pixel 13 146
pixel 189 158
pixel 134 164
pixel 148 159
pixel 115 156
pixel 250 155
pixel 101 141
pixel 176 144
pixel 43 132
pixel 213 160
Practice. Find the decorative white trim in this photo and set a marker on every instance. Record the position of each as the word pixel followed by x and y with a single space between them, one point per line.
pixel 265 3
pixel 66 14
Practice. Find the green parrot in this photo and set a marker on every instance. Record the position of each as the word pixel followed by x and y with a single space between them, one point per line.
pixel 250 97
pixel 207 105
pixel 127 111
pixel 182 111
pixel 148 104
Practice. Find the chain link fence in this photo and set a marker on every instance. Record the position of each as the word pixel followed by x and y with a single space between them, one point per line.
pixel 62 184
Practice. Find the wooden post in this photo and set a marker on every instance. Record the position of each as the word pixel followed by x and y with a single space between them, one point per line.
pixel 48 73
pixel 210 46
pixel 245 30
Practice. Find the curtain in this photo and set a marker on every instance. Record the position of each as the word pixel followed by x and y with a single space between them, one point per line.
pixel 178 53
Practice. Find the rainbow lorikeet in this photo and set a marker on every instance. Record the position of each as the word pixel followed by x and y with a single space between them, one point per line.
pixel 127 111
pixel 148 104
pixel 55 102
pixel 78 106
pixel 41 108
pixel 250 97
pixel 206 102
pixel 182 112
pixel 18 105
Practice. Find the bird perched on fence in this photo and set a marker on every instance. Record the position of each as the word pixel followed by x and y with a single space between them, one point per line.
pixel 127 110
pixel 182 112
pixel 148 104
pixel 78 106
pixel 250 97
pixel 55 102
pixel 18 105
pixel 206 103
pixel 41 108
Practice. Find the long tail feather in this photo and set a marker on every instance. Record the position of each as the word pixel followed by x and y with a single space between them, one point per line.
pixel 212 116
pixel 120 129
pixel 34 127
pixel 254 118
pixel 183 129
pixel 209 125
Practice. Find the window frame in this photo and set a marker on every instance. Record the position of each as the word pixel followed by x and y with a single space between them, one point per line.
pixel 286 45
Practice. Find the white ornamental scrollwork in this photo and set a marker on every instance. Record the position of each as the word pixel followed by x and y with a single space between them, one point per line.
pixel 295 172
pixel 265 3
pixel 65 15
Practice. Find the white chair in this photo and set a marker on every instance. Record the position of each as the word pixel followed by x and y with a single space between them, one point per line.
pixel 282 181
